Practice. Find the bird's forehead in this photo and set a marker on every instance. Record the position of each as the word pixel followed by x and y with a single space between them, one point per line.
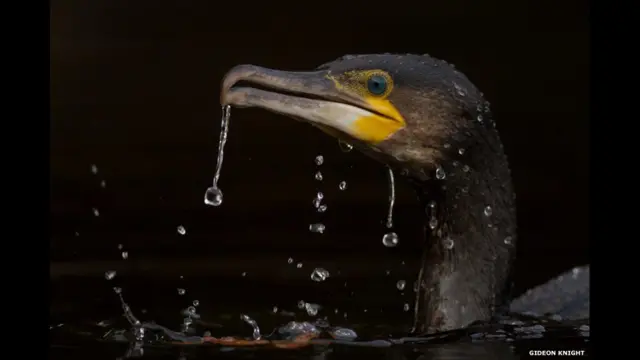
pixel 416 71
pixel 390 62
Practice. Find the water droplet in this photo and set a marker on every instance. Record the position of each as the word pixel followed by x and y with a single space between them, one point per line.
pixel 322 208
pixel 345 147
pixel 433 222
pixel 319 196
pixel 448 243
pixel 390 239
pixel 103 184
pixel 290 260
pixel 196 302
pixel 342 185
pixel 405 307
pixel 299 265
pixel 447 145
pixel 488 211
pixel 465 168
pixel 213 196
pixel 95 212
pixel 109 274
pixel 508 240
pixel 181 230
pixel 312 309
pixel 319 274
pixel 275 309
pixel 401 284
pixel 318 176
pixel 94 169
pixel 317 228
pixel 181 291
pixel 187 321
pixel 120 246
pixel 440 174
pixel 301 304
pixel 125 255
pixel 117 290
pixel 459 89
pixel 319 160
pixel 461 151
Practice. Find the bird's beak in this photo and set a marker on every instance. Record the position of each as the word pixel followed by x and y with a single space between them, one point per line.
pixel 315 97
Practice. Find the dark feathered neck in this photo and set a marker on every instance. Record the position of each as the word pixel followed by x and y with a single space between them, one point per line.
pixel 470 234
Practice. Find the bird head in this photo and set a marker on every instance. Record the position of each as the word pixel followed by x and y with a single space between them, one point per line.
pixel 408 111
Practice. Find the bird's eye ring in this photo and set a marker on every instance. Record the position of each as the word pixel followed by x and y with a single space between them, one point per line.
pixel 377 84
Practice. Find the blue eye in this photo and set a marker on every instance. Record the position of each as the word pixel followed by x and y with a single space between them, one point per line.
pixel 377 84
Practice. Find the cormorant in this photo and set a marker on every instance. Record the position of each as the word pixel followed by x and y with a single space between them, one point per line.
pixel 429 123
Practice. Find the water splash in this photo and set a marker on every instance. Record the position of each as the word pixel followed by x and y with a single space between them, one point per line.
pixel 213 195
pixel 392 198
pixel 254 325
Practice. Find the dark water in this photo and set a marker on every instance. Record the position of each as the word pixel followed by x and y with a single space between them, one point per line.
pixel 87 318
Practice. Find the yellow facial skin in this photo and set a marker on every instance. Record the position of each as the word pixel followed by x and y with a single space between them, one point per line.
pixel 372 128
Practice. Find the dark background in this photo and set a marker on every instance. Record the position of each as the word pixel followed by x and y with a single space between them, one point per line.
pixel 134 90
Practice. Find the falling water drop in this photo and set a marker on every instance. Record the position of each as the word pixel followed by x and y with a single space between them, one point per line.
pixel 181 230
pixel 181 291
pixel 254 325
pixel 322 208
pixel 440 174
pixel 95 212
pixel 465 168
pixel 392 200
pixel 345 147
pixel 196 302
pixel 109 274
pixel 461 151
pixel 125 255
pixel 299 265
pixel 488 211
pixel 448 243
pixel 390 239
pixel 319 160
pixel 405 307
pixel 480 118
pixel 317 228
pixel 342 185
pixel 290 260
pixel 319 274
pixel 318 176
pixel 213 195
pixel 94 169
pixel 401 284
pixel 103 184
